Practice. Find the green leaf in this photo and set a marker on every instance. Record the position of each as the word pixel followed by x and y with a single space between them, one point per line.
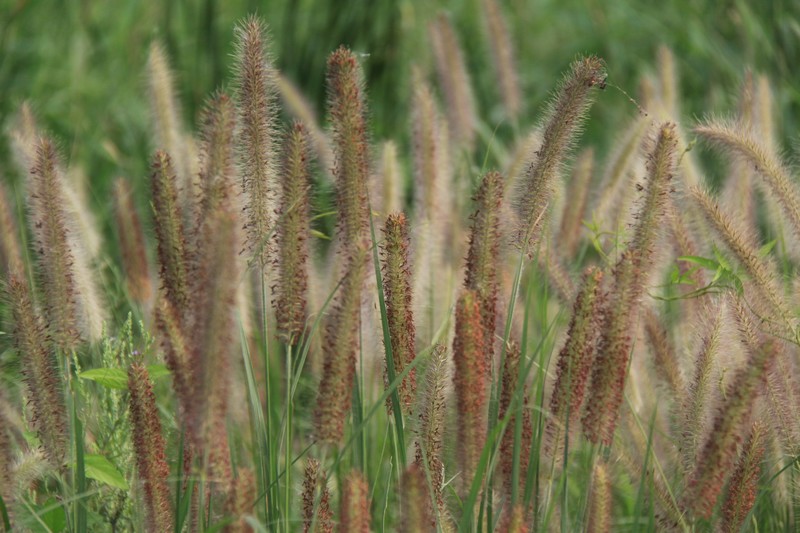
pixel 100 469
pixel 766 249
pixel 710 264
pixel 320 235
pixel 117 378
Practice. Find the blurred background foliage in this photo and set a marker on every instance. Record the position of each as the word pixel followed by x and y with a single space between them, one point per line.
pixel 81 63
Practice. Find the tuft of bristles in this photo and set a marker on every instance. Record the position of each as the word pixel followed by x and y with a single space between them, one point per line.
pixel 149 448
pixel 560 129
pixel 255 98
pixel 292 285
pixel 399 309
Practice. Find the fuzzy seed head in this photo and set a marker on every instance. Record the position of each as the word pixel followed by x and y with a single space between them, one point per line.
pixel 347 111
pixel 560 130
pixel 10 249
pixel 217 153
pixel 290 307
pixel 431 422
pixel 399 307
pixel 316 477
pixel 416 514
pixel 131 243
pixel 354 510
pixel 471 380
pixel 508 392
pixel 149 448
pixel 743 485
pixel 255 95
pixel 600 500
pixel 40 371
pixel 55 260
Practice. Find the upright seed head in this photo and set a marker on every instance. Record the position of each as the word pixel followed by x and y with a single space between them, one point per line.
pixel 347 111
pixel 339 355
pixel 454 81
pixel 560 129
pixel 483 256
pixel 743 485
pixel 255 81
pixel 316 477
pixel 149 447
pixel 503 57
pixel 10 249
pixel 217 154
pixel 391 178
pixel 399 314
pixel 354 510
pixel 630 275
pixel 131 243
pixel 40 371
pixel 175 347
pixel 431 422
pixel 508 392
pixel 6 454
pixel 416 510
pixel 290 307
pixel 575 209
pixel 240 502
pixel 427 149
pixel 471 379
pixel 600 500
pixel 54 255
pixel 575 360
pixel 664 357
pixel 173 255
pixel 718 454
pixel 513 520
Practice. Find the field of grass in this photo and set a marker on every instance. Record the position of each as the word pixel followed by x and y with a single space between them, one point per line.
pixel 483 266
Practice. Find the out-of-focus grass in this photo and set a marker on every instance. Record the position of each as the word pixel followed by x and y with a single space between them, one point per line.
pixel 81 63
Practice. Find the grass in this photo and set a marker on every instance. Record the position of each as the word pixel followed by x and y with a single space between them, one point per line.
pixel 239 411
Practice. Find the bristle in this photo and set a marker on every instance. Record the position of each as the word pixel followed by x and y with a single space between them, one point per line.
pixel 149 447
pixel 575 360
pixel 509 391
pixel 736 138
pixel 503 57
pixel 483 257
pixel 431 426
pixel 718 454
pixel 55 261
pixel 316 477
pixel 292 285
pixel 454 81
pixel 255 82
pixel 599 520
pixel 575 209
pixel 561 128
pixel 416 515
pixel 173 255
pixel 743 485
pixel 131 243
pixel 471 382
pixel 166 116
pixel 10 249
pixel 354 510
pixel 399 307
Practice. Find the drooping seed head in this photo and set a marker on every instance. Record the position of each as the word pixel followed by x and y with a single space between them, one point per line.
pixel 561 128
